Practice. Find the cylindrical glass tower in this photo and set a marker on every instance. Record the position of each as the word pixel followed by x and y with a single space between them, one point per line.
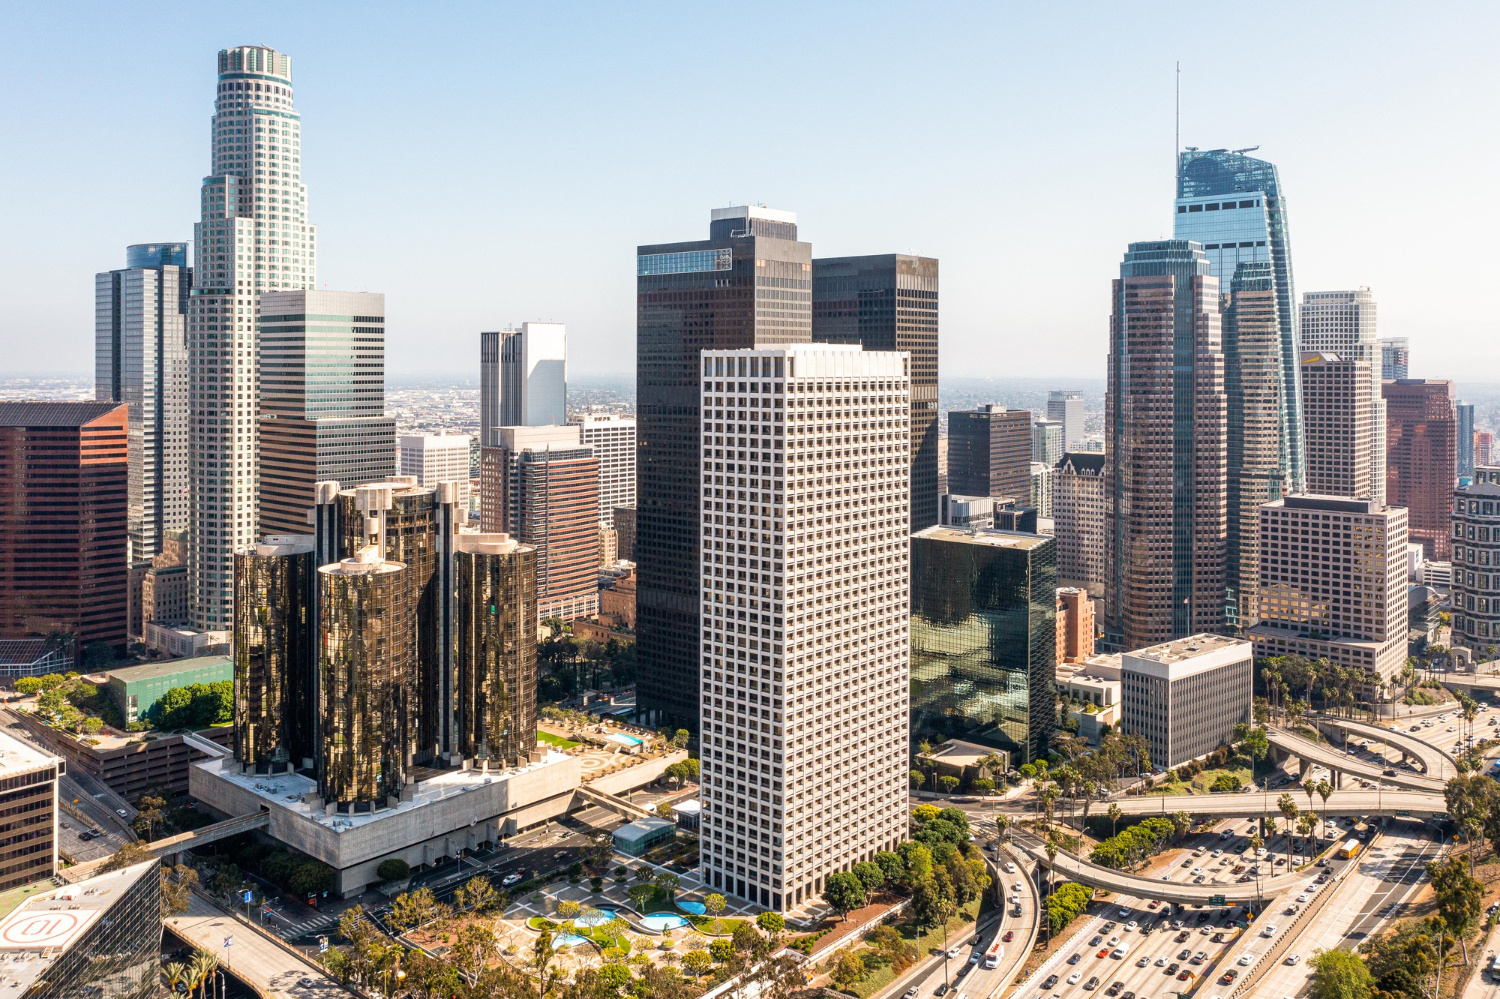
pixel 495 649
pixel 273 654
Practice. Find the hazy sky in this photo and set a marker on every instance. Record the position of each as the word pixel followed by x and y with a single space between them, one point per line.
pixel 489 163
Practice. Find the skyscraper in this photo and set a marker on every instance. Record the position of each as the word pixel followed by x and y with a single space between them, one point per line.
pixel 803 571
pixel 989 452
pixel 1233 206
pixel 63 537
pixel 1336 410
pixel 613 440
pixel 140 359
pixel 1047 442
pixel 1476 537
pixel 322 400
pixel 1422 458
pixel 254 237
pixel 1252 388
pixel 523 378
pixel 1164 422
pixel 495 651
pixel 1078 521
pixel 748 285
pixel 1343 323
pixel 434 458
pixel 489 386
pixel 275 655
pixel 1066 407
pixel 1465 412
pixel 1395 357
pixel 889 301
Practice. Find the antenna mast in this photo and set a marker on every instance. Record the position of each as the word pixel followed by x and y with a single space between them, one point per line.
pixel 1177 135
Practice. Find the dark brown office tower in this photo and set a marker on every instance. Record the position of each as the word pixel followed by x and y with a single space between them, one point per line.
pixel 1165 427
pixel 1252 385
pixel 625 531
pixel 274 655
pixel 63 528
pixel 495 651
pixel 748 285
pixel 989 453
pixel 889 301
pixel 1421 469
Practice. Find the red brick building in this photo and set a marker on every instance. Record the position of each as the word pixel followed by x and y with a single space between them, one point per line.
pixel 1421 469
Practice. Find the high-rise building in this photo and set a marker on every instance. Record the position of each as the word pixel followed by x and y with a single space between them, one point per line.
pixel 1066 407
pixel 1047 442
pixel 1075 625
pixel 495 651
pixel 889 301
pixel 1333 583
pixel 1337 414
pixel 1078 521
pixel 275 655
pixel 1422 458
pixel 1186 696
pixel 989 452
pixel 523 378
pixel 253 238
pixel 434 458
pixel 28 853
pixel 322 400
pixel 1233 206
pixel 1465 413
pixel 625 532
pixel 748 285
pixel 1165 428
pixel 1484 443
pixel 541 486
pixel 1476 548
pixel 1252 388
pixel 1343 323
pixel 1040 493
pixel 64 483
pixel 489 386
pixel 984 639
pixel 1395 357
pixel 804 608
pixel 140 359
pixel 613 440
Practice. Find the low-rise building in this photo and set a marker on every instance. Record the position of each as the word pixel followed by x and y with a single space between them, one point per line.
pixel 1075 624
pixel 185 642
pixel 1186 696
pixel 130 764
pixel 136 689
pixel 34 657
pixel 638 837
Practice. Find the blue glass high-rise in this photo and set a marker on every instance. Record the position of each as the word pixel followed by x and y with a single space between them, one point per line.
pixel 1233 205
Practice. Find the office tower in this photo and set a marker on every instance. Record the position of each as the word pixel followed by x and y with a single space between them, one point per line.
pixel 1186 696
pixel 1075 625
pixel 164 590
pixel 984 639
pixel 495 651
pixel 434 458
pixel 1465 414
pixel 1484 443
pixel 749 284
pixel 253 238
pixel 140 359
pixel 274 655
pixel 1047 442
pixel 523 378
pixel 1066 407
pixel 28 855
pixel 977 512
pixel 1078 521
pixel 1333 583
pixel 889 301
pixel 1422 458
pixel 1343 323
pixel 613 441
pixel 366 681
pixel 625 532
pixel 1337 412
pixel 804 581
pixel 64 484
pixel 489 386
pixel 1476 550
pixel 1164 423
pixel 1252 389
pixel 1395 357
pixel 322 400
pixel 541 486
pixel 989 452
pixel 1040 492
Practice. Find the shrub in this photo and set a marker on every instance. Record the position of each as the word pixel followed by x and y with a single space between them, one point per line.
pixel 394 869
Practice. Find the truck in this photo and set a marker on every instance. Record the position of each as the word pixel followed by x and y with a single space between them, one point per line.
pixel 993 955
pixel 1349 849
pixel 1122 951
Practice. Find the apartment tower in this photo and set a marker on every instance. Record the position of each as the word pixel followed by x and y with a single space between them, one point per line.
pixel 1422 458
pixel 1164 422
pixel 889 301
pixel 1476 563
pixel 1078 521
pixel 1395 358
pixel 253 238
pixel 803 564
pixel 1343 323
pixel 748 285
pixel 613 440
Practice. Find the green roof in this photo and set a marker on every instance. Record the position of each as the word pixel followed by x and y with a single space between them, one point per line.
pixel 11 899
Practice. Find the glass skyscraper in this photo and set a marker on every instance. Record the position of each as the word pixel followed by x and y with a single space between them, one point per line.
pixel 1233 205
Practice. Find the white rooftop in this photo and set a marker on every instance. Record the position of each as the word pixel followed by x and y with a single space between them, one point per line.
pixel 753 212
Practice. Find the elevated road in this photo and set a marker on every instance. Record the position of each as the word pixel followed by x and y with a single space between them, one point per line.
pixel 1341 763
pixel 1421 804
pixel 1435 761
pixel 269 966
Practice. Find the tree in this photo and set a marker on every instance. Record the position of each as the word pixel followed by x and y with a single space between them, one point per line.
pixel 714 904
pixel 949 783
pixel 747 941
pixel 871 876
pixel 918 778
pixel 415 908
pixel 639 894
pixel 849 972
pixel 1338 974
pixel 393 869
pixel 1288 809
pixel 1002 825
pixel 473 947
pixel 542 954
pixel 888 942
pixel 127 855
pixel 843 892
pixel 1114 814
pixel 568 909
pixel 772 922
pixel 932 901
pixel 176 889
pixel 1460 898
pixel 697 962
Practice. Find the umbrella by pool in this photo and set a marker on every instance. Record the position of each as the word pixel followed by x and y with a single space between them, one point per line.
pixel 663 921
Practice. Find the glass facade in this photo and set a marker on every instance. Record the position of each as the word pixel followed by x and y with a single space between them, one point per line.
pixel 684 262
pixel 495 651
pixel 273 655
pixel 983 639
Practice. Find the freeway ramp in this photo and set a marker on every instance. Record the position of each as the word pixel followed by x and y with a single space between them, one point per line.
pixel 1341 763
pixel 1435 761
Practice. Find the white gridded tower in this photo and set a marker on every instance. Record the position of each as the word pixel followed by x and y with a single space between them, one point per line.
pixel 253 238
pixel 613 440
pixel 1343 323
pixel 804 561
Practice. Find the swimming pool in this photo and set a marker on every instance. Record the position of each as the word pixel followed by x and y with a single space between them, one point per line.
pixel 696 908
pixel 626 740
pixel 663 921
pixel 604 916
pixel 568 940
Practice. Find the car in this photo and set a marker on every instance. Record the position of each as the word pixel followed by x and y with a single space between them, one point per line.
pixel 1246 959
pixel 1217 938
pixel 1015 912
pixel 1092 983
pixel 1153 904
pixel 1389 773
pixel 1130 926
pixel 1176 924
pixel 1166 877
pixel 1182 936
pixel 1103 952
pixel 910 993
pixel 1226 834
pixel 122 813
pixel 1123 913
pixel 85 835
pixel 1051 981
pixel 1186 863
pixel 1009 936
pixel 1293 959
pixel 1014 899
pixel 1172 968
pixel 1184 975
pixel 974 958
pixel 509 880
pixel 1098 939
pixel 1145 960
pixel 306 983
pixel 1205 930
pixel 1199 880
pixel 1076 958
pixel 1161 961
pixel 954 952
pixel 1269 931
pixel 1115 989
pixel 942 989
pixel 1114 941
pixel 1187 952
pixel 1016 887
pixel 1009 868
pixel 1217 852
pixel 1228 977
pixel 1199 957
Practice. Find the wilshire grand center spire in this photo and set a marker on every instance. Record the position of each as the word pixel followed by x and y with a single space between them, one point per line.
pixel 253 238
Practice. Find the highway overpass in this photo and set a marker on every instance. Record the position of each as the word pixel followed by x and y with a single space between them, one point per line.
pixel 1419 804
pixel 1435 761
pixel 1339 762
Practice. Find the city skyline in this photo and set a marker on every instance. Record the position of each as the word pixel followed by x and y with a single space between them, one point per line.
pixel 1017 177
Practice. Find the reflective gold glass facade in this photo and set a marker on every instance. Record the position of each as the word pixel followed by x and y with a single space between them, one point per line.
pixel 495 649
pixel 273 655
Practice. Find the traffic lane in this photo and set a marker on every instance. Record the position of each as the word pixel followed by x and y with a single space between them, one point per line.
pixel 979 981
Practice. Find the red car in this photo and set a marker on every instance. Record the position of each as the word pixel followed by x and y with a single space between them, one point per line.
pixel 1103 953
pixel 1153 904
pixel 1009 936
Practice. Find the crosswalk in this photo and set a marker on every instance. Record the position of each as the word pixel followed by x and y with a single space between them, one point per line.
pixel 290 931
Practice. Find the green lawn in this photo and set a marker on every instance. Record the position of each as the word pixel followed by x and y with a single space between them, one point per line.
pixel 554 740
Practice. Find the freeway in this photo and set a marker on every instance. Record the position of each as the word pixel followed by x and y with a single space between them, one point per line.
pixel 273 970
pixel 1437 762
pixel 1341 762
pixel 1378 801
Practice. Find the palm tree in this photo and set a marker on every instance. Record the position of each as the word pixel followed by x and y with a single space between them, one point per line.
pixel 1325 791
pixel 1048 797
pixel 1114 817
pixel 1288 809
pixel 175 973
pixel 1051 847
pixel 1310 786
pixel 1306 823
pixel 1182 822
pixel 200 966
pixel 1002 825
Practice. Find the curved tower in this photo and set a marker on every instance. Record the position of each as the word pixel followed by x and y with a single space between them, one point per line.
pixel 495 648
pixel 273 654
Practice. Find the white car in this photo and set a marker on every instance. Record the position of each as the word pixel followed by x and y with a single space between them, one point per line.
pixel 1075 978
pixel 1218 852
pixel 1269 931
pixel 1145 960
pixel 509 880
pixel 1161 962
pixel 1016 887
pixel 1246 958
pixel 1015 899
pixel 1009 868
pixel 1114 942
pixel 1130 926
pixel 1294 959
pixel 954 952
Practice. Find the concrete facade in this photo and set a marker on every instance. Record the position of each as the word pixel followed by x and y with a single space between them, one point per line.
pixel 1186 696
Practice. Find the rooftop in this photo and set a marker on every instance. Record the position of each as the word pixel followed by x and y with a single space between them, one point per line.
pixel 157 671
pixel 53 414
pixel 962 754
pixel 1191 647
pixel 17 757
pixel 985 538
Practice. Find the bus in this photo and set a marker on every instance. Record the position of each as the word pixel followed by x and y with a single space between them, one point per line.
pixel 993 955
pixel 1349 849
